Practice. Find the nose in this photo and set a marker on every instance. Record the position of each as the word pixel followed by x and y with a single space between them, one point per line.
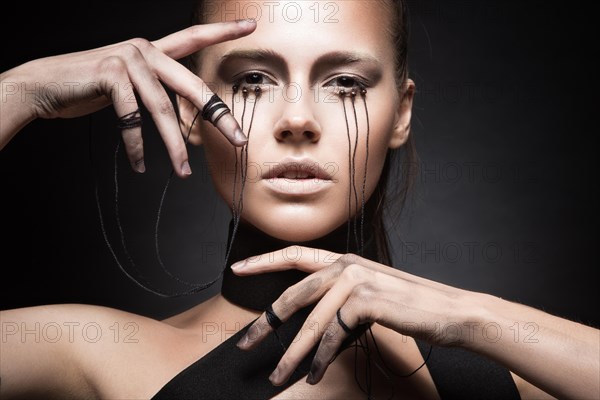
pixel 297 123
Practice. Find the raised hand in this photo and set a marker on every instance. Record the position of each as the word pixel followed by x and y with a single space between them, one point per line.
pixel 77 84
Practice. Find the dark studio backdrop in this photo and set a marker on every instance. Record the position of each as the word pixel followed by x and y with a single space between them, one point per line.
pixel 503 120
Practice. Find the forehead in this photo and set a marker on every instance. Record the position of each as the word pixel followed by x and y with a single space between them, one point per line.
pixel 302 29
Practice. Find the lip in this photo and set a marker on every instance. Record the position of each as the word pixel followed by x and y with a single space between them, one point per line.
pixel 297 177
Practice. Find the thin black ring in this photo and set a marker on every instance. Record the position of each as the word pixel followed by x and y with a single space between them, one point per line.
pixel 272 318
pixel 211 107
pixel 130 121
pixel 342 323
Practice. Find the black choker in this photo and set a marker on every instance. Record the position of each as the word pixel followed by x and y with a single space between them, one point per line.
pixel 259 291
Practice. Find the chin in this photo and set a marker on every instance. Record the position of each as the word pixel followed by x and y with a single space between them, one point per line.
pixel 295 222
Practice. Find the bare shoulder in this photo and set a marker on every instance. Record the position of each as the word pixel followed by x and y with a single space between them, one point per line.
pixel 76 350
pixel 402 352
pixel 529 391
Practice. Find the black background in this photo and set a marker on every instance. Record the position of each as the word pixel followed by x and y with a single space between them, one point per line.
pixel 503 120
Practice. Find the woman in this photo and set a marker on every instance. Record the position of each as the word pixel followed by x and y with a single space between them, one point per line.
pixel 357 97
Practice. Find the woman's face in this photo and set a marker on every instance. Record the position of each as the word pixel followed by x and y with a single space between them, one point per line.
pixel 299 155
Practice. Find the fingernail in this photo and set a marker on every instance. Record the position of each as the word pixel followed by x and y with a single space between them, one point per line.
pixel 240 137
pixel 238 265
pixel 246 22
pixel 310 379
pixel 185 168
pixel 242 342
pixel 274 378
pixel 140 166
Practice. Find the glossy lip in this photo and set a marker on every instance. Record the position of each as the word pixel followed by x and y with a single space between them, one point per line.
pixel 317 181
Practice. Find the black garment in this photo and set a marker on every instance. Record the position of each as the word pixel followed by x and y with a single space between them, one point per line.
pixel 229 373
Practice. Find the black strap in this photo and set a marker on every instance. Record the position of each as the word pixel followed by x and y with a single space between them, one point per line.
pixel 461 374
pixel 230 373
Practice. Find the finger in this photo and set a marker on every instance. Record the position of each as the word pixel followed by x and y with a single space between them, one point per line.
pixel 319 321
pixel 307 291
pixel 294 257
pixel 338 330
pixel 158 103
pixel 125 104
pixel 187 41
pixel 190 86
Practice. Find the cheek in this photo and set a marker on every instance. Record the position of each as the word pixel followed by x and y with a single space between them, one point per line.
pixel 220 156
pixel 380 127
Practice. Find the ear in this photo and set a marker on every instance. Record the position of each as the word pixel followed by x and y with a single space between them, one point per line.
pixel 187 112
pixel 403 115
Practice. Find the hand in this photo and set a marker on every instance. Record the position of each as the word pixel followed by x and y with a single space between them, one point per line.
pixel 363 291
pixel 77 84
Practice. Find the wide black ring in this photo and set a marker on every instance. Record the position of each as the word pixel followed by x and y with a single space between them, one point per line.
pixel 342 323
pixel 211 107
pixel 272 318
pixel 130 121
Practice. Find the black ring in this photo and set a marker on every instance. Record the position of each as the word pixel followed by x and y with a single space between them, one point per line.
pixel 214 104
pixel 342 323
pixel 272 318
pixel 130 121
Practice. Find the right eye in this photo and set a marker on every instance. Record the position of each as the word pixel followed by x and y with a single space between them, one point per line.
pixel 254 78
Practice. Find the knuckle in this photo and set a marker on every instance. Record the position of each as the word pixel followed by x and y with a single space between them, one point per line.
pixel 138 44
pixel 196 32
pixel 165 107
pixel 349 258
pixel 330 335
pixel 288 301
pixel 134 148
pixel 113 65
pixel 197 91
pixel 363 293
pixel 354 273
pixel 292 254
pixel 336 269
pixel 128 50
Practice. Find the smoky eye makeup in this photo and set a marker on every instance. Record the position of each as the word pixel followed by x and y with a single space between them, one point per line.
pixel 252 77
pixel 241 63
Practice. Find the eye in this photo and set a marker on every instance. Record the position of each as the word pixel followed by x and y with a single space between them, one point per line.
pixel 345 82
pixel 254 78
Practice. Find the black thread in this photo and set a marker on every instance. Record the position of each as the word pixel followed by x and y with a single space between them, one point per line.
pixel 130 121
pixel 353 99
pixel 141 281
pixel 363 94
pixel 272 318
pixel 348 224
pixel 342 323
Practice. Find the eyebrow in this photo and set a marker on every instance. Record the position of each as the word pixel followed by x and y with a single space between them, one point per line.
pixel 327 60
pixel 346 57
pixel 255 55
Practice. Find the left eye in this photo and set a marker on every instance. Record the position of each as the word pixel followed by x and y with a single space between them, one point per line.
pixel 254 78
pixel 346 82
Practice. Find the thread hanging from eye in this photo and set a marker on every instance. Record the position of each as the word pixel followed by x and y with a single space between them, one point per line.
pixel 234 90
pixel 342 95
pixel 238 160
pixel 140 279
pixel 242 163
pixel 363 95
pixel 352 223
pixel 354 219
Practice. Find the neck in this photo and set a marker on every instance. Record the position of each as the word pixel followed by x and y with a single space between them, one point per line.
pixel 259 291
